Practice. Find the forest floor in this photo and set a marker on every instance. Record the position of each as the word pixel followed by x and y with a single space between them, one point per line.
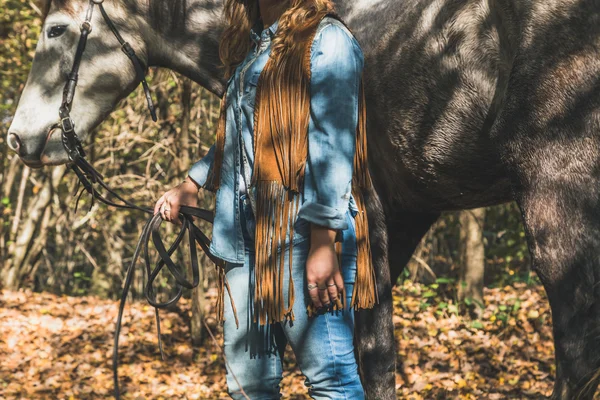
pixel 59 347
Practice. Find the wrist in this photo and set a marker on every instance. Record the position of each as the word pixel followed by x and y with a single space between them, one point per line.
pixel 321 236
pixel 190 182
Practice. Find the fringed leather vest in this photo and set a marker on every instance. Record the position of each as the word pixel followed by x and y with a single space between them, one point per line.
pixel 281 119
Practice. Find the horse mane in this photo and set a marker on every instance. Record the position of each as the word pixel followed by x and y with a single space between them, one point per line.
pixel 167 15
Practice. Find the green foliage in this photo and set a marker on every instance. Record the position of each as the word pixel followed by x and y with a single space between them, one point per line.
pixel 20 26
pixel 506 238
pixel 507 257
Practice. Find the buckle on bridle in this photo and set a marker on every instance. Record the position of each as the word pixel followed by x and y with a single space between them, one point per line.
pixel 67 124
pixel 86 26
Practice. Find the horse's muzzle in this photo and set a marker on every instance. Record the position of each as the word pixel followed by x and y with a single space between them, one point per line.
pixel 30 155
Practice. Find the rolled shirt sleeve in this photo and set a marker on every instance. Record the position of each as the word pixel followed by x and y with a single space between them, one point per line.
pixel 336 67
pixel 199 170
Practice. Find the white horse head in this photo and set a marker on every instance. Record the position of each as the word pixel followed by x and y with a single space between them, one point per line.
pixel 106 75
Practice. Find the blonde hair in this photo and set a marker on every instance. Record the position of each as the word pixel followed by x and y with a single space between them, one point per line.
pixel 298 18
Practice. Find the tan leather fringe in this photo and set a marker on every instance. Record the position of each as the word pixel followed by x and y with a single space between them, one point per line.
pixel 365 293
pixel 220 294
pixel 222 285
pixel 274 205
pixel 212 183
pixel 213 180
pixel 281 115
pixel 281 118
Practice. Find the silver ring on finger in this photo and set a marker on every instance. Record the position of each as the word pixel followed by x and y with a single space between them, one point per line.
pixel 311 286
pixel 331 284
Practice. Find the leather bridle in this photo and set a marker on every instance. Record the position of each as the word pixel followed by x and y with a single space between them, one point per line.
pixel 88 176
pixel 70 140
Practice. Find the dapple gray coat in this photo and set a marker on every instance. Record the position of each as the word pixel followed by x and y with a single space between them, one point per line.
pixel 470 103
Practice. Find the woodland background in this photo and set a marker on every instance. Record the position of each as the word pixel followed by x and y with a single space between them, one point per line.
pixel 471 319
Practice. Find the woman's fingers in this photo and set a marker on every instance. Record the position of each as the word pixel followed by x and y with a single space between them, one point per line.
pixel 174 214
pixel 334 292
pixel 159 204
pixel 324 295
pixel 170 203
pixel 313 292
pixel 338 279
pixel 165 210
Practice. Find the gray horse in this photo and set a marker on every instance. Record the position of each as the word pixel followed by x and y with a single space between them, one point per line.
pixel 470 103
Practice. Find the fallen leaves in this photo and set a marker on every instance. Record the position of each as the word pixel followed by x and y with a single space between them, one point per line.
pixel 61 347
pixel 508 353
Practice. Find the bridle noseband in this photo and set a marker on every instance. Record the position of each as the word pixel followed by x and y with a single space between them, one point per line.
pixel 70 140
pixel 88 176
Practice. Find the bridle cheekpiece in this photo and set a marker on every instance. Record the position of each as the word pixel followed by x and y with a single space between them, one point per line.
pixel 70 140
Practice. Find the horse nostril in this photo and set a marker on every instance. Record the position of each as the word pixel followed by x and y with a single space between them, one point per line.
pixel 14 143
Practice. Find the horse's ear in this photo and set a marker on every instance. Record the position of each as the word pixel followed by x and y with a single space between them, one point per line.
pixel 41 6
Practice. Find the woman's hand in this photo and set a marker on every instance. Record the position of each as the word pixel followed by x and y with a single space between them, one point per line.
pixel 184 194
pixel 325 282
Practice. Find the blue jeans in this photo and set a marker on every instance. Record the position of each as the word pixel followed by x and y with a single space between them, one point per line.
pixel 323 344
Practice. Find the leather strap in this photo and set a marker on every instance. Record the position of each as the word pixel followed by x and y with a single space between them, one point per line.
pixel 70 140
pixel 88 177
pixel 137 64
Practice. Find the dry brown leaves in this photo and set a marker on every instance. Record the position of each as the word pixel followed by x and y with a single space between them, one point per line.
pixel 61 348
pixel 507 354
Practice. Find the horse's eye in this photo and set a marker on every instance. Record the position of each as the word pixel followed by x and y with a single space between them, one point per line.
pixel 56 31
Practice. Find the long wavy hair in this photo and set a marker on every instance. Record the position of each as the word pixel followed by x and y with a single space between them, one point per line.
pixel 296 20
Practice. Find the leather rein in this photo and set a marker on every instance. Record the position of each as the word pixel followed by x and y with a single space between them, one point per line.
pixel 89 177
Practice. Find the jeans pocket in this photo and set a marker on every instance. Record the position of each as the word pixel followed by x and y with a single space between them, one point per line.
pixel 301 231
pixel 349 235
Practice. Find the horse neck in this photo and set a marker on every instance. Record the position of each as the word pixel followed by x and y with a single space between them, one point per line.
pixel 187 42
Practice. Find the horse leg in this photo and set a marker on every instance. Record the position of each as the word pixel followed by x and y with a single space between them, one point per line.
pixel 405 231
pixel 396 238
pixel 547 138
pixel 562 223
pixel 374 329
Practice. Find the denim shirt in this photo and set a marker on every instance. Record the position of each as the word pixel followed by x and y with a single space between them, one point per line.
pixel 336 66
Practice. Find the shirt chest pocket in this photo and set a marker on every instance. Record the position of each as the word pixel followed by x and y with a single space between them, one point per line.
pixel 250 84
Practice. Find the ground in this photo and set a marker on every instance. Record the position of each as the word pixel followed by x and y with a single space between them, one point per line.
pixel 60 347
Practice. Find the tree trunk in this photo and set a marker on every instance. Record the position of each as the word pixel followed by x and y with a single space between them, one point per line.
pixel 472 257
pixel 25 236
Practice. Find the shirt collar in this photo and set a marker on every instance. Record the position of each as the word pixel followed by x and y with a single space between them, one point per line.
pixel 258 27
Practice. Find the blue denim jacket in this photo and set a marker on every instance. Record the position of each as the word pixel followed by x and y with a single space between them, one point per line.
pixel 336 66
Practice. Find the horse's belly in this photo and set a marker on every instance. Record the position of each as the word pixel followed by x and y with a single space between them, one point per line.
pixel 438 177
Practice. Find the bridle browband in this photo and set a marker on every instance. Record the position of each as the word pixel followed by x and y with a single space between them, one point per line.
pixel 88 176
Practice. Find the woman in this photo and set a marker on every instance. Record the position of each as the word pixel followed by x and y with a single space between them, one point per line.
pixel 288 168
